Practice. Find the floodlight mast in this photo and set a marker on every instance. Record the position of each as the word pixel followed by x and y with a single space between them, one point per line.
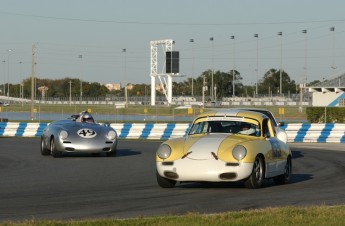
pixel 167 47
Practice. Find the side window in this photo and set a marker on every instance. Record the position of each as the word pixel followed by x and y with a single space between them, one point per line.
pixel 198 128
pixel 265 130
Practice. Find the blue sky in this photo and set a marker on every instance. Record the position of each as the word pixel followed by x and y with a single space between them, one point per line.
pixel 99 30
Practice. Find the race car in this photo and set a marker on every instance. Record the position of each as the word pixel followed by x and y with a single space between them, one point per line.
pixel 80 133
pixel 224 146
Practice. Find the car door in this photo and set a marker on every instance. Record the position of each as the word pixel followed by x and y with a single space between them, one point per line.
pixel 274 154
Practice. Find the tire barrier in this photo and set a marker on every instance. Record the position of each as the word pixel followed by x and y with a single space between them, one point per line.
pixel 297 133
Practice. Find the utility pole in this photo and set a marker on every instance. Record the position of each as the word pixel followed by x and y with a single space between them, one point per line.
pixel 8 76
pixel 234 67
pixel 281 64
pixel 70 92
pixel 125 72
pixel 32 80
pixel 212 94
pixel 333 57
pixel 81 77
pixel 193 64
pixel 257 64
pixel 203 92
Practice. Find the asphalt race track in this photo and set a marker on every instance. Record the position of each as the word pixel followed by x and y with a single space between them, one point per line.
pixel 86 186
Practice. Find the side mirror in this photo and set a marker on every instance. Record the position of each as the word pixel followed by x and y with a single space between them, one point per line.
pixel 281 124
pixel 106 124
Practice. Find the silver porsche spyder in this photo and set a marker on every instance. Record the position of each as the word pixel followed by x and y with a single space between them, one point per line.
pixel 80 133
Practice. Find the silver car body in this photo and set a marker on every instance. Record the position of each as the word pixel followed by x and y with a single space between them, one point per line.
pixel 75 136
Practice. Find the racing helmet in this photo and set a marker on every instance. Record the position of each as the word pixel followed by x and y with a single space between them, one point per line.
pixel 86 117
pixel 247 129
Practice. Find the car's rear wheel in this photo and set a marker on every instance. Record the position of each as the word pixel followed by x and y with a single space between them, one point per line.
pixel 55 153
pixel 286 177
pixel 164 182
pixel 44 151
pixel 257 176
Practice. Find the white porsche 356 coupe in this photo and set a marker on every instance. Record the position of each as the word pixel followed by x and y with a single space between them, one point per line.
pixel 223 146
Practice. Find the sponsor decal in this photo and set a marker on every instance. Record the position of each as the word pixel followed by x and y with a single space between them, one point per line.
pixel 86 133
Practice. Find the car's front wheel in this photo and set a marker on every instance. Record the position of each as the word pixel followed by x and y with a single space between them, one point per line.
pixel 55 153
pixel 44 151
pixel 257 176
pixel 164 182
pixel 286 177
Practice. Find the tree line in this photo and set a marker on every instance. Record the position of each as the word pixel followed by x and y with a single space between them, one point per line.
pixel 269 84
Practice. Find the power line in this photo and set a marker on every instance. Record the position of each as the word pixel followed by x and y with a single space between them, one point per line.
pixel 170 23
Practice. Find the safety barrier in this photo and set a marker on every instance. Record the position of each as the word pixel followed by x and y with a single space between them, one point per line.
pixel 299 132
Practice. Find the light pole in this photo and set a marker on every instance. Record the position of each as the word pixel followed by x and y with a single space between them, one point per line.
pixel 8 75
pixel 304 77
pixel 70 92
pixel 193 64
pixel 305 57
pixel 20 75
pixel 281 63
pixel 234 67
pixel 212 96
pixel 33 52
pixel 332 29
pixel 125 74
pixel 81 76
pixel 257 63
pixel 3 85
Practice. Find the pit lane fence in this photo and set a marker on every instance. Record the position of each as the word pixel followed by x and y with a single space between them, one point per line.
pixel 297 132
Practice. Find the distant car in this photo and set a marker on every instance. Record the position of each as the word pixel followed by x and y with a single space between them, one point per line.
pixel 78 134
pixel 224 146
pixel 3 104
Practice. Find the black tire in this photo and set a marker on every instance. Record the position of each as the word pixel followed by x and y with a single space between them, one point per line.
pixel 164 182
pixel 55 153
pixel 44 151
pixel 286 177
pixel 257 176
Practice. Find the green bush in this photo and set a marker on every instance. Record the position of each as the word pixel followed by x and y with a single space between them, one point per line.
pixel 326 114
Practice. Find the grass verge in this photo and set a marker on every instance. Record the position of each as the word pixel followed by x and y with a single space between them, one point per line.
pixel 316 215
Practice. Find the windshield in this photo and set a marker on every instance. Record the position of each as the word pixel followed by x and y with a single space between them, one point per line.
pixel 233 127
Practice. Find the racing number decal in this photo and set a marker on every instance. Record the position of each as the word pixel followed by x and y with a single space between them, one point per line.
pixel 276 152
pixel 86 133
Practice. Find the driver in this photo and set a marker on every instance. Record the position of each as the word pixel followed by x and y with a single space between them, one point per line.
pixel 247 129
pixel 86 117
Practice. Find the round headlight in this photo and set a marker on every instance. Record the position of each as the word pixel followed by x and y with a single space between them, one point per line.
pixel 63 134
pixel 111 135
pixel 164 151
pixel 239 152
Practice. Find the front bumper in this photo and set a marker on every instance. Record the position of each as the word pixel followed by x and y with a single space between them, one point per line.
pixel 210 170
pixel 87 146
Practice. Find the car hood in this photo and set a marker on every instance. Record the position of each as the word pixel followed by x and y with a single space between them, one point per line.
pixel 207 146
pixel 78 125
pixel 74 127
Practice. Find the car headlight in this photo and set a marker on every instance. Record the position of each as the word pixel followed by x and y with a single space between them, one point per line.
pixel 239 152
pixel 111 135
pixel 164 151
pixel 63 134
